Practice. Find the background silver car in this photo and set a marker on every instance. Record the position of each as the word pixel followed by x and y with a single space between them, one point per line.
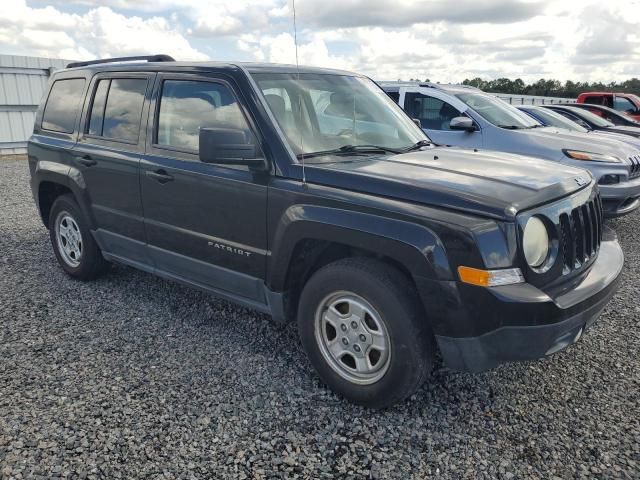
pixel 467 117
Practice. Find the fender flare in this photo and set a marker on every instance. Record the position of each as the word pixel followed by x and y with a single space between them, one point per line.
pixel 66 176
pixel 415 246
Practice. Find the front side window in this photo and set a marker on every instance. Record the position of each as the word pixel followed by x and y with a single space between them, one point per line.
pixel 497 111
pixel 623 105
pixel 186 106
pixel 321 112
pixel 434 114
pixel 116 109
pixel 63 105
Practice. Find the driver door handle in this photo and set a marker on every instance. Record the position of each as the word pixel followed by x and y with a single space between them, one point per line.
pixel 86 160
pixel 160 175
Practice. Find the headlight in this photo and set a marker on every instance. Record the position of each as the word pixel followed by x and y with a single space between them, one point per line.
pixel 591 157
pixel 535 242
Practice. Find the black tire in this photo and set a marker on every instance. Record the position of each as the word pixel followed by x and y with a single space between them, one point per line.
pixel 393 297
pixel 91 263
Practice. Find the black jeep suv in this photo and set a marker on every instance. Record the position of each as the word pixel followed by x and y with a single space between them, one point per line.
pixel 309 195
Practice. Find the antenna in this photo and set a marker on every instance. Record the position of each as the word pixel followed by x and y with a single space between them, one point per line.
pixel 295 40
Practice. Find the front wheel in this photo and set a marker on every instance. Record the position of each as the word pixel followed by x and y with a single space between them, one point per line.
pixel 362 328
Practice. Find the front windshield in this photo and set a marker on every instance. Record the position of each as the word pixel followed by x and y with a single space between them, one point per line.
pixel 497 111
pixel 590 117
pixel 554 119
pixel 324 112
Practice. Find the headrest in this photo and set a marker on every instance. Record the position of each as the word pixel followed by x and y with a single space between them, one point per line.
pixel 276 103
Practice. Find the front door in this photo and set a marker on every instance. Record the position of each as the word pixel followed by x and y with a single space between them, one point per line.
pixel 205 223
pixel 435 116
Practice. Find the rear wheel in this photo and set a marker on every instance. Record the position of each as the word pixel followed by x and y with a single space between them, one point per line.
pixel 76 250
pixel 362 328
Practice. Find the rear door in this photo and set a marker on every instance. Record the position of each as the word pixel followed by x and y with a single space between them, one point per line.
pixel 435 115
pixel 205 223
pixel 108 154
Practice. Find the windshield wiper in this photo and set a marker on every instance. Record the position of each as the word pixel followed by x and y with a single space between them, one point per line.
pixel 417 146
pixel 348 150
pixel 510 127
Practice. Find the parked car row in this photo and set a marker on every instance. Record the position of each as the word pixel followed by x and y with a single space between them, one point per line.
pixel 310 195
pixel 464 116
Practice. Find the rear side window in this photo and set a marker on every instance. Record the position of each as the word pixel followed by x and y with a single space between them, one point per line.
pixel 63 105
pixel 117 108
pixel 595 100
pixel 395 96
pixel 186 106
pixel 433 113
pixel 97 108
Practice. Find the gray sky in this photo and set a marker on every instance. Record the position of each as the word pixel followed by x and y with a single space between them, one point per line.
pixel 441 40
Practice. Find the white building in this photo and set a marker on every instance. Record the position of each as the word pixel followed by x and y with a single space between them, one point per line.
pixel 23 82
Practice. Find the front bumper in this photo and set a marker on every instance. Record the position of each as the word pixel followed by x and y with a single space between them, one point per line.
pixel 554 322
pixel 621 198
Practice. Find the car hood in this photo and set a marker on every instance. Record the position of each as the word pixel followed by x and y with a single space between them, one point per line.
pixel 488 183
pixel 565 139
pixel 626 129
pixel 633 141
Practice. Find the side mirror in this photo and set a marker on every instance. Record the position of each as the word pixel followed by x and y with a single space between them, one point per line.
pixel 462 123
pixel 417 122
pixel 228 146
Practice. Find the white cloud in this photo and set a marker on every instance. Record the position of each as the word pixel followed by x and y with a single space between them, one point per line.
pixel 403 13
pixel 578 40
pixel 100 32
pixel 282 49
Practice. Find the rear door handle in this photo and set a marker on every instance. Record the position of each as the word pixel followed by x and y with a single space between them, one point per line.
pixel 86 160
pixel 160 175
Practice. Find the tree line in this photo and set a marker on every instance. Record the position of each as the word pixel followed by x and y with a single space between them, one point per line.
pixel 551 88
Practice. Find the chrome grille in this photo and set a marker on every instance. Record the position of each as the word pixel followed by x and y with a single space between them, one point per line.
pixel 581 234
pixel 635 166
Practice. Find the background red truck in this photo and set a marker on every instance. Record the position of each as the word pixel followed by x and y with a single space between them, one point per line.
pixel 624 102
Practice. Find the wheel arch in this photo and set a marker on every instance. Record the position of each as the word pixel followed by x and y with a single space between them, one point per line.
pixel 52 182
pixel 310 237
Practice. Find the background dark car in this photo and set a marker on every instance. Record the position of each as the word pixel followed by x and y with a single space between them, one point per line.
pixel 550 118
pixel 614 116
pixel 592 121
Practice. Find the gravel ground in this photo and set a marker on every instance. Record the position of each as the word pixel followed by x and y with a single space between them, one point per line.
pixel 132 376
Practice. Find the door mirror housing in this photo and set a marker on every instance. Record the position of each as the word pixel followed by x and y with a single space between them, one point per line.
pixel 462 123
pixel 228 146
pixel 417 122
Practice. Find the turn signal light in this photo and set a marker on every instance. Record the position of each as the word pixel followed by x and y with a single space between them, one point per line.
pixel 490 278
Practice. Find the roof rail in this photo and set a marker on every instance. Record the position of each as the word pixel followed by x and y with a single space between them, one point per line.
pixel 148 58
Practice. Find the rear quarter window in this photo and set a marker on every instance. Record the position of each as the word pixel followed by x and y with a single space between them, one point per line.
pixel 63 104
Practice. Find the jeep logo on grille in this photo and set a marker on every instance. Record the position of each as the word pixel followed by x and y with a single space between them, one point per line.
pixel 581 181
